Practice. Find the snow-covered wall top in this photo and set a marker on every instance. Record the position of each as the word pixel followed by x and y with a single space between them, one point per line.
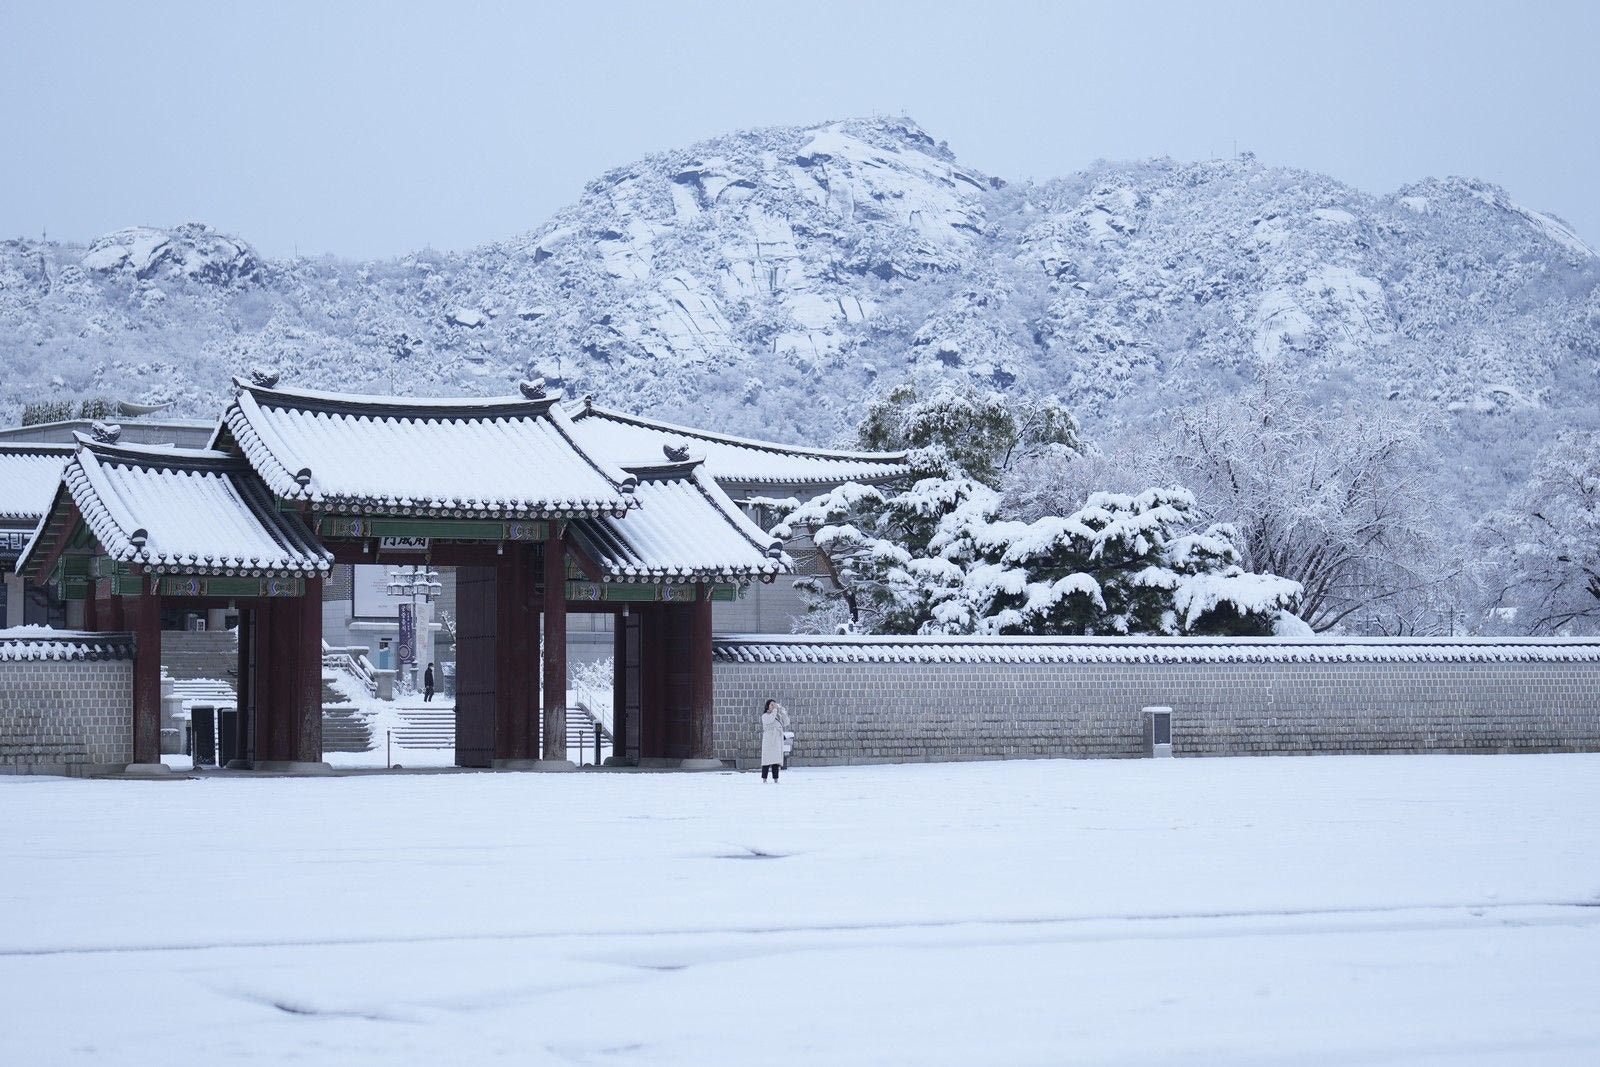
pixel 799 648
pixel 41 643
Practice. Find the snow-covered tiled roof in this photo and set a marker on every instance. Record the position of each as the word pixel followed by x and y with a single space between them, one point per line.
pixel 29 474
pixel 507 456
pixel 40 642
pixel 685 526
pixel 630 439
pixel 181 510
pixel 800 648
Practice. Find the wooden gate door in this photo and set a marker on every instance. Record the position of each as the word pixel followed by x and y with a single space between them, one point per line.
pixel 475 665
pixel 629 681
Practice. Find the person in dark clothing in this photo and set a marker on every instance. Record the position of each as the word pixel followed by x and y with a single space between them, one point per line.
pixel 427 684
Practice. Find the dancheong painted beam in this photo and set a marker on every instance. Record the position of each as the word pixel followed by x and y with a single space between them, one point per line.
pixel 362 527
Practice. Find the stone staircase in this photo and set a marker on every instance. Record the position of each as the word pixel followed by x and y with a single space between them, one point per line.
pixel 582 727
pixel 425 727
pixel 422 726
pixel 344 730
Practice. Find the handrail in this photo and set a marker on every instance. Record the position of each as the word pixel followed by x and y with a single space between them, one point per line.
pixel 596 723
pixel 352 661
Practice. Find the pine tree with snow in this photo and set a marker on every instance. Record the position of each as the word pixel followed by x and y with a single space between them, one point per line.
pixel 967 430
pixel 939 556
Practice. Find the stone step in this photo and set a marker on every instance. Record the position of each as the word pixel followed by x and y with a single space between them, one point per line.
pixel 344 731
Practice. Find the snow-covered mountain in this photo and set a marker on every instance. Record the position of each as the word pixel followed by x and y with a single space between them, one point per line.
pixel 765 280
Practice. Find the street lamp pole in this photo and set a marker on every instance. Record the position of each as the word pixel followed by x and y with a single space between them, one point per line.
pixel 420 584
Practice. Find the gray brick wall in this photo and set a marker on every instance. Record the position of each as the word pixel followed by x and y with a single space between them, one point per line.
pixel 65 716
pixel 921 712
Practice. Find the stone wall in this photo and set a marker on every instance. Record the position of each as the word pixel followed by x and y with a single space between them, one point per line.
pixel 900 700
pixel 66 702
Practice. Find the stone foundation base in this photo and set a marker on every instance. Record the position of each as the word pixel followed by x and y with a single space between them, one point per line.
pixel 292 767
pixel 147 770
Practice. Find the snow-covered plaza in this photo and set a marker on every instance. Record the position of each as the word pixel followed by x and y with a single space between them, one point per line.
pixel 1273 910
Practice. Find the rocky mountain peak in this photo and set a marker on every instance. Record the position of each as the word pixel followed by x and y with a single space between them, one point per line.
pixel 192 251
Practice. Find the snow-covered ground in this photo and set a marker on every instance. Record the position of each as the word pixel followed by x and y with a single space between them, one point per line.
pixel 1324 910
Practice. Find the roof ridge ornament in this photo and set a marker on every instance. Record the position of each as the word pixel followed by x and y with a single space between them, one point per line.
pixel 105 433
pixel 532 388
pixel 676 451
pixel 264 377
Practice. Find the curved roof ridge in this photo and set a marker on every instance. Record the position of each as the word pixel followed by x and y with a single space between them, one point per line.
pixel 402 406
pixel 773 546
pixel 156 455
pixel 505 456
pixel 592 409
pixel 36 448
pixel 620 476
pixel 178 510
pixel 668 536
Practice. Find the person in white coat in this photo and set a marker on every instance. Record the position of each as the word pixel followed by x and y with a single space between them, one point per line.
pixel 774 721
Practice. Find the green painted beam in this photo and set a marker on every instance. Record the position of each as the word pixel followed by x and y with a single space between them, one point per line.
pixel 361 527
pixel 644 592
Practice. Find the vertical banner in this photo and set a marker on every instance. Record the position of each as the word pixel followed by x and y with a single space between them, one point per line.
pixel 408 636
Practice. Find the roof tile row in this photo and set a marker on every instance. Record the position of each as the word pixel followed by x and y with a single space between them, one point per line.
pixel 765 648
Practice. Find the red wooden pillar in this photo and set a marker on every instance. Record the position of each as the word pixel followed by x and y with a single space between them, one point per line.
pixel 146 611
pixel 91 611
pixel 652 682
pixel 287 704
pixel 244 705
pixel 701 702
pixel 308 688
pixel 477 596
pixel 111 614
pixel 620 677
pixel 508 738
pixel 555 644
pixel 515 694
pixel 268 735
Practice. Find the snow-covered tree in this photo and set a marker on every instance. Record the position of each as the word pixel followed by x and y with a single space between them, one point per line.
pixel 976 432
pixel 1334 500
pixel 1547 546
pixel 1121 565
pixel 939 558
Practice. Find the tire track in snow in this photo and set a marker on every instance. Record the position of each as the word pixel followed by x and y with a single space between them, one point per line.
pixel 1460 916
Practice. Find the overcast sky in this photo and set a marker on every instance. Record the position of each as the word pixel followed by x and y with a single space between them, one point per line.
pixel 368 130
